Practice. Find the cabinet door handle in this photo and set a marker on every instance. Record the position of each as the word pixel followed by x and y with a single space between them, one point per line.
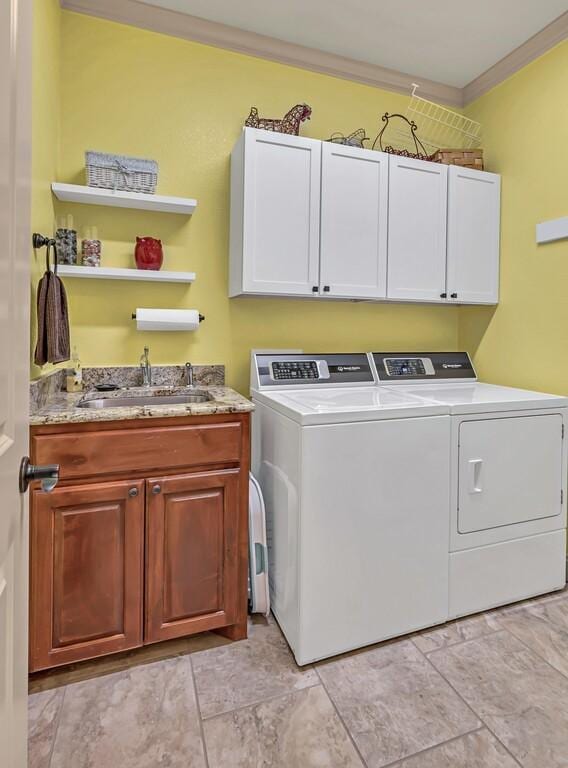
pixel 133 492
pixel 453 295
pixel 326 288
pixel 315 289
pixel 156 489
pixel 443 295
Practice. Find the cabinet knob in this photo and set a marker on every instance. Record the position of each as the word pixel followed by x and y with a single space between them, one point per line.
pixel 133 492
pixel 315 289
pixel 453 295
pixel 443 295
pixel 326 288
pixel 156 489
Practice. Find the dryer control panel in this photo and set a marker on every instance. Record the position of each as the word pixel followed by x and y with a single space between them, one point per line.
pixel 423 366
pixel 297 370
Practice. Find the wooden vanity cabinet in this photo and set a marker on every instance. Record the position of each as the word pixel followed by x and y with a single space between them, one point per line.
pixel 156 549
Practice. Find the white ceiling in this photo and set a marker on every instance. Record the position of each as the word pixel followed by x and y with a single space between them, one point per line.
pixel 450 41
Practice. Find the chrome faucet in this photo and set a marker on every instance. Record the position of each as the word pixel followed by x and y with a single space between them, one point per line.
pixel 146 367
pixel 189 374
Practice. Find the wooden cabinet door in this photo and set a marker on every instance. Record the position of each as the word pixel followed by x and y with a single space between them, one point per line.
pixel 354 211
pixel 418 193
pixel 281 209
pixel 192 559
pixel 474 199
pixel 87 554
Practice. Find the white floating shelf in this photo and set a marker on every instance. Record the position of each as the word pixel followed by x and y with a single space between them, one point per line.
pixel 555 229
pixel 75 193
pixel 115 273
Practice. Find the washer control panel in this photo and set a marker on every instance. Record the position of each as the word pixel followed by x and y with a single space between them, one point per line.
pixel 409 366
pixel 297 370
pixel 423 366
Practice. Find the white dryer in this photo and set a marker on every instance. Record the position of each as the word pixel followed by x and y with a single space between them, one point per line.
pixel 355 483
pixel 507 481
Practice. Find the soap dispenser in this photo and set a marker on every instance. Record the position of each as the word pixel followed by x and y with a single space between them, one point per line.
pixel 74 374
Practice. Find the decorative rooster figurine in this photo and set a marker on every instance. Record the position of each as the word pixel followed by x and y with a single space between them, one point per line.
pixel 290 123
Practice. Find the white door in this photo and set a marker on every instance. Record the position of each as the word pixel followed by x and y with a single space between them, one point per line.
pixel 281 213
pixel 510 471
pixel 418 192
pixel 15 95
pixel 474 199
pixel 354 211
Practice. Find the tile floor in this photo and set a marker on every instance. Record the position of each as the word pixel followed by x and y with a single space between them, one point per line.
pixel 489 691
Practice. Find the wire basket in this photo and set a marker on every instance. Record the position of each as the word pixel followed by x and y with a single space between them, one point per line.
pixel 441 127
pixel 130 174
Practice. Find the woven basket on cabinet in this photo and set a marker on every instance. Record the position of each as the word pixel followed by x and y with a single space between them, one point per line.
pixel 130 174
pixel 466 158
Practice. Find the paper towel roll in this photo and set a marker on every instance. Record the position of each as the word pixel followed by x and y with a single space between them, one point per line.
pixel 167 319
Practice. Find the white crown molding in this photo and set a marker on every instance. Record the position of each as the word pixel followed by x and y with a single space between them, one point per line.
pixel 140 14
pixel 156 19
pixel 535 46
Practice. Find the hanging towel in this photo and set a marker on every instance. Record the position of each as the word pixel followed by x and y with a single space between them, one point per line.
pixel 52 317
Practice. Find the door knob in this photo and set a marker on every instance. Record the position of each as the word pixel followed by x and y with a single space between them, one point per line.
pixel 133 493
pixel 156 489
pixel 47 473
pixel 443 295
pixel 453 295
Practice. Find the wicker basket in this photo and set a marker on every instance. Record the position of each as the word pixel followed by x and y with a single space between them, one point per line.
pixel 467 158
pixel 130 174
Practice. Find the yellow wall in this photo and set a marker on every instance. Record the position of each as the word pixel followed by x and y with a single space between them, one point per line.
pixel 45 133
pixel 131 91
pixel 524 341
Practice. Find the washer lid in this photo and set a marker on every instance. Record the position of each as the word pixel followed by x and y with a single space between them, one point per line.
pixel 477 397
pixel 332 406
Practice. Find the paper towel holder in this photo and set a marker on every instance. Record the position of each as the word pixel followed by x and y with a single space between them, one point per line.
pixel 201 317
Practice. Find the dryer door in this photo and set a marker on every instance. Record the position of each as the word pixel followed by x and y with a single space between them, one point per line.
pixel 510 471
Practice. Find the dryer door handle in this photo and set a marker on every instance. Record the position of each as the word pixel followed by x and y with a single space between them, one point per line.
pixel 475 466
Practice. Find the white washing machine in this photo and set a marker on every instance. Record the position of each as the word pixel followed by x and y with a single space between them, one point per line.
pixel 507 481
pixel 355 481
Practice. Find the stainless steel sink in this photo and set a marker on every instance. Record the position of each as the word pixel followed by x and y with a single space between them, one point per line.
pixel 180 398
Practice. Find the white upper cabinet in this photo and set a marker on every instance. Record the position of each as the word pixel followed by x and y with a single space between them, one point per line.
pixel 354 212
pixel 417 229
pixel 275 212
pixel 473 236
pixel 313 218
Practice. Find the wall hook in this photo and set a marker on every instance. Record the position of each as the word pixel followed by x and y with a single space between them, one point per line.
pixel 40 241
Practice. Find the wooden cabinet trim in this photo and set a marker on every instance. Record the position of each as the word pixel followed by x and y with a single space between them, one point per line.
pixel 134 424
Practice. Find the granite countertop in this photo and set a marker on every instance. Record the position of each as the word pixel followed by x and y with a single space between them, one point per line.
pixel 49 404
pixel 62 407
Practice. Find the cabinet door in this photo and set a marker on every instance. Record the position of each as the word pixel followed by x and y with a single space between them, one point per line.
pixel 192 568
pixel 87 551
pixel 353 247
pixel 474 199
pixel 281 213
pixel 418 192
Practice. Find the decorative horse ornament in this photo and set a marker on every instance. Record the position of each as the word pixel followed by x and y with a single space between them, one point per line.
pixel 290 123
